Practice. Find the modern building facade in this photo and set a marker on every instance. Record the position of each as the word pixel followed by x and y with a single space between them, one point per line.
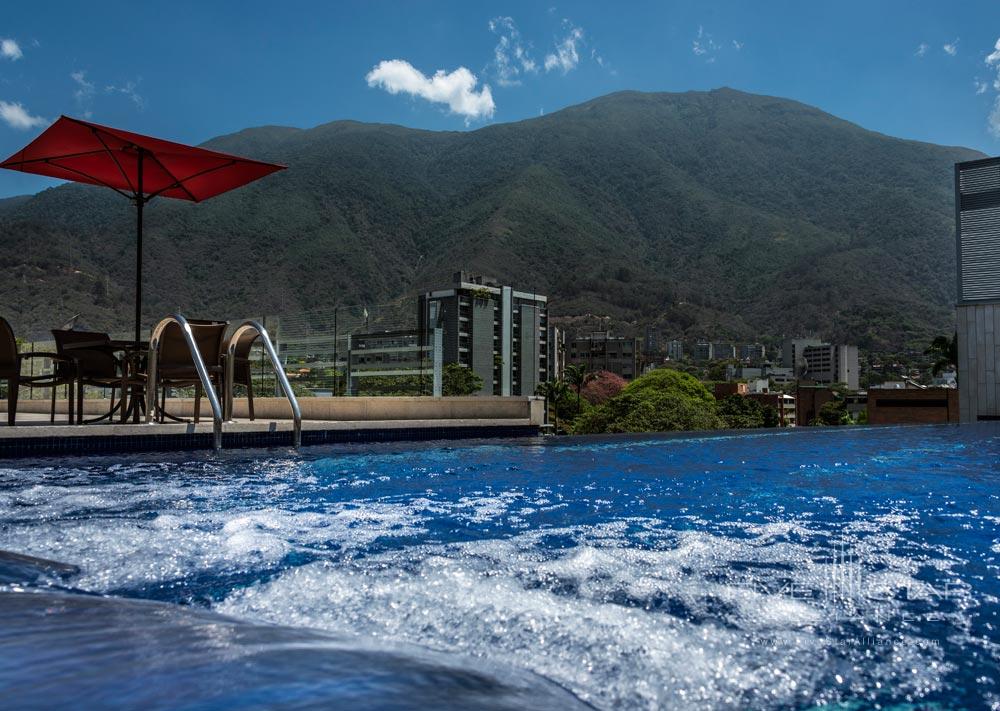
pixel 791 352
pixel 675 349
pixel 497 331
pixel 752 353
pixel 977 228
pixel 829 364
pixel 392 362
pixel 602 351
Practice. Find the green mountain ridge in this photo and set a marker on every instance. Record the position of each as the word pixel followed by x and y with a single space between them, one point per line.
pixel 709 214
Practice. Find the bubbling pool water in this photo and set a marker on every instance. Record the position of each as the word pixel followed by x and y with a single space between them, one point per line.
pixel 759 571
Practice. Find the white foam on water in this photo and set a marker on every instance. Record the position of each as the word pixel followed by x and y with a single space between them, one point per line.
pixel 602 617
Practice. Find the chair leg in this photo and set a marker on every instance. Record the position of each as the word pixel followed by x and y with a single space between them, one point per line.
pixel 163 404
pixel 52 409
pixel 197 402
pixel 71 408
pixel 79 402
pixel 250 398
pixel 12 384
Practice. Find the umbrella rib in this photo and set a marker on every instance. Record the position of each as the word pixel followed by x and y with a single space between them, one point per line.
pixel 49 159
pixel 111 153
pixel 177 181
pixel 180 183
pixel 89 177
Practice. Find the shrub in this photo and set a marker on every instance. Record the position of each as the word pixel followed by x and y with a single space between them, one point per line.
pixel 458 380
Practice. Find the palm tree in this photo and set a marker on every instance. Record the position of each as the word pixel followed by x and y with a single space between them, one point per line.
pixel 553 391
pixel 577 376
pixel 945 352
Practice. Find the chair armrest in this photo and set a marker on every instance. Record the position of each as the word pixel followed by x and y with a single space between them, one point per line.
pixel 43 354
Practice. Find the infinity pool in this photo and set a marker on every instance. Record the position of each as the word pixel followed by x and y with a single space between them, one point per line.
pixel 789 569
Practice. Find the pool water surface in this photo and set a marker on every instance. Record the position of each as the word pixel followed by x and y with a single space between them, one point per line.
pixel 766 570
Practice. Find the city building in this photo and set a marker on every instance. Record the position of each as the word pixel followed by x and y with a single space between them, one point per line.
pixel 675 350
pixel 497 331
pixel 752 353
pixel 791 352
pixel 783 404
pixel 977 218
pixel 723 351
pixel 602 351
pixel 829 364
pixel 651 341
pixel 702 351
pixel 391 362
pixel 892 406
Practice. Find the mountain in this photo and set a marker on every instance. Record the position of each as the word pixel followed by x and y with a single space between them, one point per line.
pixel 720 213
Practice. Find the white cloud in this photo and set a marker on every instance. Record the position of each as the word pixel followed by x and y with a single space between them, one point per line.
pixel 980 86
pixel 457 89
pixel 83 94
pixel 951 49
pixel 703 44
pixel 511 56
pixel 738 45
pixel 16 116
pixel 922 49
pixel 127 89
pixel 565 57
pixel 10 49
pixel 994 57
pixel 993 123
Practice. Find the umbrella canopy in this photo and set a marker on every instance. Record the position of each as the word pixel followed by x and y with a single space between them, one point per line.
pixel 136 166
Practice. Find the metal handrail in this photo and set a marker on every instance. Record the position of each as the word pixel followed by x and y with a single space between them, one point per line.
pixel 279 372
pixel 199 366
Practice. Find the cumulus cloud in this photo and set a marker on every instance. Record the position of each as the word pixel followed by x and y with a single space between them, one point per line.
pixel 457 89
pixel 10 49
pixel 921 49
pixel 511 56
pixel 16 116
pixel 565 57
pixel 951 49
pixel 980 86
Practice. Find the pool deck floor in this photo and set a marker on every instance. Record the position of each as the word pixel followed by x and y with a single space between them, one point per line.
pixel 34 435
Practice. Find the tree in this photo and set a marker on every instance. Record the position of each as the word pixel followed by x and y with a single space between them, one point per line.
pixel 603 386
pixel 456 379
pixel 945 353
pixel 577 376
pixel 658 401
pixel 553 391
pixel 741 412
pixel 833 412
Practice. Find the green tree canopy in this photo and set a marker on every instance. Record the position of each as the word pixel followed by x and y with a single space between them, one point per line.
pixel 458 380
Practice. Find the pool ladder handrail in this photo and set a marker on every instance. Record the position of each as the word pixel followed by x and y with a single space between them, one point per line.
pixel 279 373
pixel 199 366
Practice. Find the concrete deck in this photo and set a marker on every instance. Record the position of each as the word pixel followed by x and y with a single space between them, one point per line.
pixel 34 435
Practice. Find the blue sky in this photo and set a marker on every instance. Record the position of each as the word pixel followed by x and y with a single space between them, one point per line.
pixel 189 71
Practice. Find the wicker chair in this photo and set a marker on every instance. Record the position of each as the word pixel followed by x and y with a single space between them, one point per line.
pixel 175 367
pixel 10 370
pixel 241 365
pixel 94 364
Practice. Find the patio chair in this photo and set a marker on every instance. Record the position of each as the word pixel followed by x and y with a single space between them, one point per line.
pixel 94 364
pixel 241 365
pixel 10 370
pixel 175 367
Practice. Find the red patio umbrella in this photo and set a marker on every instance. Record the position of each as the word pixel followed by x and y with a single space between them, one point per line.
pixel 135 166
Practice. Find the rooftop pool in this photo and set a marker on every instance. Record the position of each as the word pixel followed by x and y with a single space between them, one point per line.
pixel 789 569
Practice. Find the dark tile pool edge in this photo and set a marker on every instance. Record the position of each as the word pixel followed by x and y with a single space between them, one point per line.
pixel 17 447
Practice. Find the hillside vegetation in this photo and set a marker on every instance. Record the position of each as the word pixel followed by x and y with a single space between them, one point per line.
pixel 718 213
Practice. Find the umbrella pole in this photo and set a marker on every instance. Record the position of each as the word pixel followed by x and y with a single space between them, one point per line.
pixel 138 254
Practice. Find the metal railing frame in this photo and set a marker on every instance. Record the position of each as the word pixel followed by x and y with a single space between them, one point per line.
pixel 279 373
pixel 199 366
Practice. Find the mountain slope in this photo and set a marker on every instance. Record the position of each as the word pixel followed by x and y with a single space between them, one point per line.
pixel 717 213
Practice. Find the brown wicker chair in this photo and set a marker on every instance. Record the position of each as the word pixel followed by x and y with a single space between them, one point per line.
pixel 10 370
pixel 94 364
pixel 175 367
pixel 241 365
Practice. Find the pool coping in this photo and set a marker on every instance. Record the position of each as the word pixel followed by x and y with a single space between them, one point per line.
pixel 83 440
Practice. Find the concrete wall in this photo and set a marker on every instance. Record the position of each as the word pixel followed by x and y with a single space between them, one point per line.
pixel 912 406
pixel 338 408
pixel 978 353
